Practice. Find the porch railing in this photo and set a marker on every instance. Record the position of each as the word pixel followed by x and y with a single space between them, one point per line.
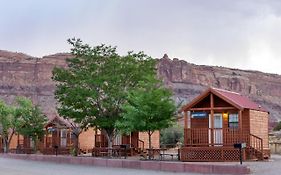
pixel 257 144
pixel 214 137
pixel 100 140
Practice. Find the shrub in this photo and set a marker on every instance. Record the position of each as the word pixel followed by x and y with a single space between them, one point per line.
pixel 277 127
pixel 171 136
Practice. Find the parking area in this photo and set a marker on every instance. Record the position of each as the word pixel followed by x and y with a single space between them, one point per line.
pixel 269 167
pixel 23 167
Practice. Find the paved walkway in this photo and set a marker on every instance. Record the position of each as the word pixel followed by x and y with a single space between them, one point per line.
pixel 23 167
pixel 270 167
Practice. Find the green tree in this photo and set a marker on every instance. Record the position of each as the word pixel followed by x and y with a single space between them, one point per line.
pixel 172 135
pixel 277 127
pixel 31 118
pixel 149 108
pixel 76 130
pixel 94 86
pixel 8 124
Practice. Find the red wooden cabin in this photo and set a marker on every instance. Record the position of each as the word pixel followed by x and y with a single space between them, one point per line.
pixel 216 120
pixel 57 139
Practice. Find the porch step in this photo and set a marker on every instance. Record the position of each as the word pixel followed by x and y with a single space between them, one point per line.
pixel 254 154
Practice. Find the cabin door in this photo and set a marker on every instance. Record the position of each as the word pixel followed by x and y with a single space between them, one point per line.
pixel 217 132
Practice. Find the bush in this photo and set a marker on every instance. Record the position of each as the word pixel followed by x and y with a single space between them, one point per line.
pixel 171 136
pixel 277 127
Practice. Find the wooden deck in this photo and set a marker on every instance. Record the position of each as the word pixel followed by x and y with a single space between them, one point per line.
pixel 214 137
pixel 206 144
pixel 218 153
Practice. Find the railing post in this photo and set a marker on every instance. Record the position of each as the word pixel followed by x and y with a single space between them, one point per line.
pixel 261 149
pixel 212 118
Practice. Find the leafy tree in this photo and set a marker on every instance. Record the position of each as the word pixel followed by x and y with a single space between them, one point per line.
pixel 8 124
pixel 31 118
pixel 277 127
pixel 149 108
pixel 76 130
pixel 94 86
pixel 171 136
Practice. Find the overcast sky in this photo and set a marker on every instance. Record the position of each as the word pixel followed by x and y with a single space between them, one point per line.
pixel 243 34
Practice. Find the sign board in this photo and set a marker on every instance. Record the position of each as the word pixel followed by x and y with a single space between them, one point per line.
pixel 199 115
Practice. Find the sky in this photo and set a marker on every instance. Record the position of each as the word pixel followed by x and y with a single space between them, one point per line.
pixel 244 34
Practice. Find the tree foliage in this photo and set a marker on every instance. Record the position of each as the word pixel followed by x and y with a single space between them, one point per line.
pixel 171 136
pixel 7 124
pixel 94 86
pixel 21 117
pixel 148 108
pixel 31 119
pixel 277 127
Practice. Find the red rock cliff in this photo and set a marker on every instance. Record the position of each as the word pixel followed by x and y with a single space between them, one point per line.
pixel 29 76
pixel 189 80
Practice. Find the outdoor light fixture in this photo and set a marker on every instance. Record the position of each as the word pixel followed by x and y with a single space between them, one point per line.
pixel 225 115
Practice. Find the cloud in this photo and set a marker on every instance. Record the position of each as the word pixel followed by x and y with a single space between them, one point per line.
pixel 240 34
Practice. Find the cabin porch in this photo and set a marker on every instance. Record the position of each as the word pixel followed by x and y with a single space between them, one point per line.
pixel 218 119
pixel 125 145
pixel 57 139
pixel 207 144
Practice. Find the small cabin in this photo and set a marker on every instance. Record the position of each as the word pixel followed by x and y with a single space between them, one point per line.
pixel 216 120
pixel 58 139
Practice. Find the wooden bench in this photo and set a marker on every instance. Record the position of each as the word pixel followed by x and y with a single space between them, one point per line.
pixel 172 155
pixel 104 153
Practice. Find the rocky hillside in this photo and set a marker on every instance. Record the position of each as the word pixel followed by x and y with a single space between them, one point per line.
pixel 29 76
pixel 23 75
pixel 188 80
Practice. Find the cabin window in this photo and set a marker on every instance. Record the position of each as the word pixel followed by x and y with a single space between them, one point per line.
pixel 32 145
pixel 63 138
pixel 233 121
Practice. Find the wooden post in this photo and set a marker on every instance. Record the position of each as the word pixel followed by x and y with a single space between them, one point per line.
pixel 18 140
pixel 185 120
pixel 185 127
pixel 242 139
pixel 240 120
pixel 46 138
pixel 58 137
pixel 212 118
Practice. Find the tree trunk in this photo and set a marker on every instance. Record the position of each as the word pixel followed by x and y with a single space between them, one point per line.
pixel 7 139
pixel 110 138
pixel 150 152
pixel 5 145
pixel 76 145
pixel 35 140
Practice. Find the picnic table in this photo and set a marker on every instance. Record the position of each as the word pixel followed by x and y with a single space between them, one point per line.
pixel 104 151
pixel 152 152
pixel 162 152
pixel 115 151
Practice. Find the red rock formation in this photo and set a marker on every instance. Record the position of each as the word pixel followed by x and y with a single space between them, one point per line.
pixel 189 80
pixel 29 76
pixel 23 75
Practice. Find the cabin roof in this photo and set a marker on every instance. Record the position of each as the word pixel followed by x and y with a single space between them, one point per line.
pixel 58 119
pixel 237 100
pixel 240 100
